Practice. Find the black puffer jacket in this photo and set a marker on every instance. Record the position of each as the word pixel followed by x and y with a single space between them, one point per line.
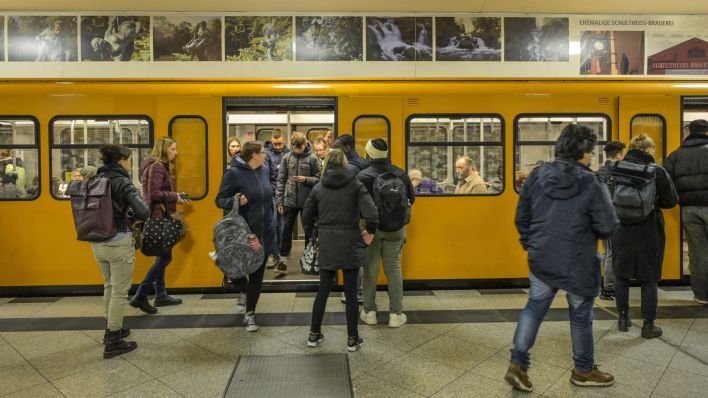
pixel 125 196
pixel 563 210
pixel 688 168
pixel 638 249
pixel 335 203
pixel 290 193
pixel 356 162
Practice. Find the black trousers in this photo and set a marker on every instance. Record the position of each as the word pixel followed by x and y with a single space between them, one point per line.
pixel 327 279
pixel 650 297
pixel 289 218
pixel 252 285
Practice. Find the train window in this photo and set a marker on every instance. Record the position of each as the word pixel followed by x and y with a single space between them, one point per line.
pixel 456 154
pixel 191 176
pixel 535 137
pixel 316 132
pixel 368 127
pixel 75 143
pixel 19 158
pixel 654 126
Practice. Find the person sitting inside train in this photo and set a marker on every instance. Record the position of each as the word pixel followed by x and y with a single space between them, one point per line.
pixel 469 180
pixel 423 185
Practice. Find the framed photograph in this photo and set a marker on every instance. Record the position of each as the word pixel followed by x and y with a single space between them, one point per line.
pixel 677 53
pixel 259 38
pixel 536 39
pixel 115 38
pixel 467 39
pixel 611 53
pixel 399 39
pixel 184 38
pixel 42 39
pixel 329 38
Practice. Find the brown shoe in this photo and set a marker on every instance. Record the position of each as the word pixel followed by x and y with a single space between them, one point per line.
pixel 593 378
pixel 518 378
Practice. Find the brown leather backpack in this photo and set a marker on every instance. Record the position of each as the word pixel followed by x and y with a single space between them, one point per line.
pixel 92 207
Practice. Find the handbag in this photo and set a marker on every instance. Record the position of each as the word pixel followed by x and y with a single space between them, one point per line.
pixel 160 234
pixel 309 265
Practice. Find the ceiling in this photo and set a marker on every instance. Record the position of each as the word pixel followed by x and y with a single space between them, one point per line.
pixel 367 6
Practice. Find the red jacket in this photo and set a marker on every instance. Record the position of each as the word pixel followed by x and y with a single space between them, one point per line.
pixel 158 185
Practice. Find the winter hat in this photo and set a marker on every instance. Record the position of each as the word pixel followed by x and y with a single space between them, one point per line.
pixel 376 149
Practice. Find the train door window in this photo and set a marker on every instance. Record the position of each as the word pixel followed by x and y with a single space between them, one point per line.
pixel 75 143
pixel 316 132
pixel 536 135
pixel 368 127
pixel 264 135
pixel 456 154
pixel 191 176
pixel 653 126
pixel 19 158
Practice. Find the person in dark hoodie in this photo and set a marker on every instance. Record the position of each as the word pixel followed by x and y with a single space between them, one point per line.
pixel 116 256
pixel 248 177
pixel 335 204
pixel 275 150
pixel 688 168
pixel 157 171
pixel 346 144
pixel 299 172
pixel 639 248
pixel 389 239
pixel 562 212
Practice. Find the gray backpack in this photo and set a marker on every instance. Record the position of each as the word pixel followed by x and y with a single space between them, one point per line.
pixel 238 250
pixel 634 190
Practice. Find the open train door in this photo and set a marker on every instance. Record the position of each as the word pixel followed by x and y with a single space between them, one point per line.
pixel 659 117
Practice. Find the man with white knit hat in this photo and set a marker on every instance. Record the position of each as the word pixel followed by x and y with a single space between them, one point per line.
pixel 393 193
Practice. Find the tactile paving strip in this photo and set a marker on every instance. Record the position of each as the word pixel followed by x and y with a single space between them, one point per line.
pixel 291 376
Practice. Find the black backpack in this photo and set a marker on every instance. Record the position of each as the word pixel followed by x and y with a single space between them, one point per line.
pixel 634 190
pixel 391 197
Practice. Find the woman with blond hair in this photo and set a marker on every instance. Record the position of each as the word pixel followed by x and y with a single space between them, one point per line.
pixel 335 205
pixel 157 177
pixel 638 248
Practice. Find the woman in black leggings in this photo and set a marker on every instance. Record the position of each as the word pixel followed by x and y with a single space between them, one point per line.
pixel 335 205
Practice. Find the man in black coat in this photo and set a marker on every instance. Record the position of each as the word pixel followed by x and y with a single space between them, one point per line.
pixel 563 210
pixel 688 168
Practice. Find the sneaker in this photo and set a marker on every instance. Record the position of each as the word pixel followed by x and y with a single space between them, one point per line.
pixel 270 263
pixel 607 295
pixel 241 304
pixel 281 268
pixel 518 378
pixel 250 321
pixel 593 378
pixel 700 301
pixel 354 343
pixel 314 339
pixel 396 320
pixel 369 317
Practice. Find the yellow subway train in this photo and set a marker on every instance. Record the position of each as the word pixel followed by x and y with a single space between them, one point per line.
pixel 49 129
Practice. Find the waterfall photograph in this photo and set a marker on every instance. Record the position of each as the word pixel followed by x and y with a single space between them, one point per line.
pixel 536 39
pixel 467 39
pixel 399 39
pixel 259 38
pixel 329 39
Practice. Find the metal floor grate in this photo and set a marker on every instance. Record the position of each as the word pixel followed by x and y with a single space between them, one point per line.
pixel 291 376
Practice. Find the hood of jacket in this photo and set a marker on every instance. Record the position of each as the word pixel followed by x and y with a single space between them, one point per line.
pixel 239 163
pixel 268 146
pixel 114 167
pixel 337 178
pixel 560 179
pixel 638 156
pixel 699 139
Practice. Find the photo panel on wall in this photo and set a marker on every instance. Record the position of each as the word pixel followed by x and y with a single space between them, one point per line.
pixel 677 53
pixel 329 38
pixel 115 38
pixel 259 38
pixel 536 39
pixel 187 38
pixel 42 38
pixel 604 52
pixel 399 38
pixel 467 39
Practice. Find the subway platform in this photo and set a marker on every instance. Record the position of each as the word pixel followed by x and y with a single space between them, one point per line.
pixel 456 344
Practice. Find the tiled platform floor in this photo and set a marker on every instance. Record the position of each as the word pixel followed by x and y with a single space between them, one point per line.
pixel 441 359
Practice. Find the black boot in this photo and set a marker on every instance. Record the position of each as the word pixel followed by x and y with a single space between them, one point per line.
pixel 650 331
pixel 124 332
pixel 623 323
pixel 142 303
pixel 162 299
pixel 115 345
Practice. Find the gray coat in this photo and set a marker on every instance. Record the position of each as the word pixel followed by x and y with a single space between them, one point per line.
pixel 335 204
pixel 294 194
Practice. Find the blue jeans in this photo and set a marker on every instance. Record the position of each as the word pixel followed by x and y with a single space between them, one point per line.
pixel 581 314
pixel 155 275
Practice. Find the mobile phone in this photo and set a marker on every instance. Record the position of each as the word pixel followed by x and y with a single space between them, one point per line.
pixel 185 197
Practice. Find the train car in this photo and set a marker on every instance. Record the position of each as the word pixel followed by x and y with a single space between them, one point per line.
pixel 50 128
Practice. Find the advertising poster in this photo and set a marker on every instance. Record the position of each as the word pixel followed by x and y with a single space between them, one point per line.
pixel 259 38
pixel 329 38
pixel 536 39
pixel 2 38
pixel 677 53
pixel 606 52
pixel 467 39
pixel 42 38
pixel 184 38
pixel 115 38
pixel 399 39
